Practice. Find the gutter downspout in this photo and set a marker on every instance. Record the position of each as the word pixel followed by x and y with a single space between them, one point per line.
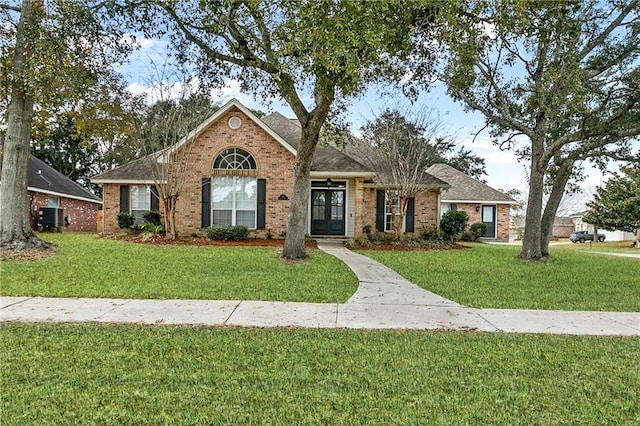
pixel 438 209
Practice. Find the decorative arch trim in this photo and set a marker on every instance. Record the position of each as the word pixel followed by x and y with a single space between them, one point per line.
pixel 234 159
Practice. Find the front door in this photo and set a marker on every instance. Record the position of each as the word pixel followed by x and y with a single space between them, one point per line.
pixel 489 219
pixel 327 212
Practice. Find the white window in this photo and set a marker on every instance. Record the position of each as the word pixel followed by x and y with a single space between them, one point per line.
pixel 445 207
pixel 53 202
pixel 140 201
pixel 235 200
pixel 388 213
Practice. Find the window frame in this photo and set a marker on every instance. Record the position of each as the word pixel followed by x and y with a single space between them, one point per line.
pixel 388 221
pixel 147 201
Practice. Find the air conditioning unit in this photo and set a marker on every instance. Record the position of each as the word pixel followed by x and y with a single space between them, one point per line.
pixel 51 218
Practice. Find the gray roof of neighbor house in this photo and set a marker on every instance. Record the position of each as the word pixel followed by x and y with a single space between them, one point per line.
pixel 563 221
pixel 464 188
pixel 43 178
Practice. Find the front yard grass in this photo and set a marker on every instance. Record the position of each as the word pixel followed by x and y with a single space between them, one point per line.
pixel 607 246
pixel 116 374
pixel 88 266
pixel 491 276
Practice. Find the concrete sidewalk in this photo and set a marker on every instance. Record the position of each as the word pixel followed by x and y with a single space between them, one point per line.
pixel 384 300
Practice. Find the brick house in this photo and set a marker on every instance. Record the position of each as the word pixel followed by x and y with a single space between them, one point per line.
pixel 55 201
pixel 241 173
pixel 481 202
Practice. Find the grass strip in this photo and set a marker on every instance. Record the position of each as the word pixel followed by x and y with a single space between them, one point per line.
pixel 88 266
pixel 108 374
pixel 492 276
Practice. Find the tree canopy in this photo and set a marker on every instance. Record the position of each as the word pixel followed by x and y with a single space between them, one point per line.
pixel 311 54
pixel 558 82
pixel 616 204
pixel 50 51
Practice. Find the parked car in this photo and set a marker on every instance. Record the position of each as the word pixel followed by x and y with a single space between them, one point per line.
pixel 582 236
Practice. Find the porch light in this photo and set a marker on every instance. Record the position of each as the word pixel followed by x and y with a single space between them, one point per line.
pixel 329 182
pixel 283 197
pixel 478 208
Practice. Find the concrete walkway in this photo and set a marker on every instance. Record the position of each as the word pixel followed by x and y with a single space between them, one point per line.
pixel 384 300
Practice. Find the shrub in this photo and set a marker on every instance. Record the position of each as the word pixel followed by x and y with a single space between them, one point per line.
pixel 125 220
pixel 152 217
pixel 477 230
pixel 367 231
pixel 152 228
pixel 429 233
pixel 453 223
pixel 226 233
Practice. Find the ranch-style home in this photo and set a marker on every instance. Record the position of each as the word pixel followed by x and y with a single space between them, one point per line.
pixel 55 202
pixel 481 202
pixel 241 173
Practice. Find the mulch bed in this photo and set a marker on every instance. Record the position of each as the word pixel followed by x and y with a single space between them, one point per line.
pixel 27 255
pixel 397 247
pixel 203 241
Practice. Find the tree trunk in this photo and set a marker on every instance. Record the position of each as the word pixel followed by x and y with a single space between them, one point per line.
pixel 553 203
pixel 297 216
pixel 531 248
pixel 15 230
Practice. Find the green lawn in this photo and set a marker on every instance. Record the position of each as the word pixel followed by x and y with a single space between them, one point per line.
pixel 491 276
pixel 607 246
pixel 88 266
pixel 108 374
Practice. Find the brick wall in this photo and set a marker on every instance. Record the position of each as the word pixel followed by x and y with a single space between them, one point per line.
pixel 82 214
pixel 502 213
pixel 274 163
pixel 426 209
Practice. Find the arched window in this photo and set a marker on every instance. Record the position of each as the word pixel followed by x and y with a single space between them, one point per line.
pixel 234 159
pixel 234 189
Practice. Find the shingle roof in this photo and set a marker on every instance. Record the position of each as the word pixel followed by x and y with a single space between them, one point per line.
pixel 41 176
pixel 325 158
pixel 139 170
pixel 563 221
pixel 466 188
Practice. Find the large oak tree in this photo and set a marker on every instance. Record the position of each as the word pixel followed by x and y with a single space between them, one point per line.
pixel 312 54
pixel 557 81
pixel 50 50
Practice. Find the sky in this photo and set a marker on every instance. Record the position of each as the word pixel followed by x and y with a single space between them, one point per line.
pixel 504 172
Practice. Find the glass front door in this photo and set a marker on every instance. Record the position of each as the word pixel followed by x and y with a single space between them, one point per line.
pixel 489 219
pixel 327 212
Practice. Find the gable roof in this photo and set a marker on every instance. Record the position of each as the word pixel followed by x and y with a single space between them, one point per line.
pixel 464 188
pixel 219 113
pixel 43 178
pixel 326 160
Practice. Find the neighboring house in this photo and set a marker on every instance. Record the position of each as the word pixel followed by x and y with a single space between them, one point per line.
pixel 481 202
pixel 55 201
pixel 580 225
pixel 562 227
pixel 241 173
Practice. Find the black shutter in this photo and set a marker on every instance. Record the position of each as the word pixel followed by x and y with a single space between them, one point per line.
pixel 410 215
pixel 155 199
pixel 380 207
pixel 124 198
pixel 206 202
pixel 262 204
